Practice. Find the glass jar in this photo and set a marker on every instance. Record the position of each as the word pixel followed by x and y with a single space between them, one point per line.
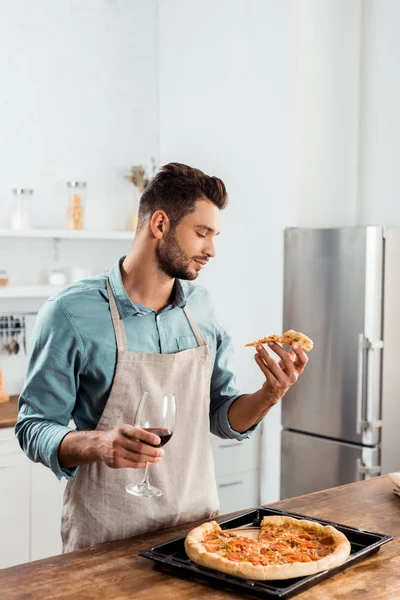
pixel 76 204
pixel 21 217
pixel 3 277
pixel 57 278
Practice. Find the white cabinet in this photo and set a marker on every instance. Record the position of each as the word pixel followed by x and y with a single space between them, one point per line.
pixel 14 501
pixel 238 491
pixel 30 506
pixel 46 506
pixel 237 470
pixel 231 456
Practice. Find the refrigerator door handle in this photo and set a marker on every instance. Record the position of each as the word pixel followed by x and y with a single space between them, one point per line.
pixel 364 346
pixel 363 472
pixel 360 382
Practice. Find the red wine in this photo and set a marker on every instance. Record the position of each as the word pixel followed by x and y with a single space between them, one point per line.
pixel 164 435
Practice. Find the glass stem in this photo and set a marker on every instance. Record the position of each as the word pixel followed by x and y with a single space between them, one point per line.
pixel 145 480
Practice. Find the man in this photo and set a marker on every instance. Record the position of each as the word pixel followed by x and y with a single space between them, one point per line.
pixel 143 326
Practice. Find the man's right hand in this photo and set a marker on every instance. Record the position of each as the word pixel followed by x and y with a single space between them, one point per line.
pixel 125 446
pixel 129 446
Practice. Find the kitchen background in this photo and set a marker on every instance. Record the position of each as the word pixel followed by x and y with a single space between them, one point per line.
pixel 293 103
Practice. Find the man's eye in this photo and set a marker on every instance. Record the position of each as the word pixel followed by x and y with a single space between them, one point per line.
pixel 200 235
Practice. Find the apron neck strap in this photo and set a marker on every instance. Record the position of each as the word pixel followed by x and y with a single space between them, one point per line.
pixel 119 328
pixel 193 324
pixel 118 323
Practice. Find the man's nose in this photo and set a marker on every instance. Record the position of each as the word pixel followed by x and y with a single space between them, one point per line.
pixel 210 250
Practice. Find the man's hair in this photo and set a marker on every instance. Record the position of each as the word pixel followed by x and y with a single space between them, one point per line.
pixel 175 189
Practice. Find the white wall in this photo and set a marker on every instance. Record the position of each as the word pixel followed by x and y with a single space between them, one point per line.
pixel 380 115
pixel 326 105
pixel 78 101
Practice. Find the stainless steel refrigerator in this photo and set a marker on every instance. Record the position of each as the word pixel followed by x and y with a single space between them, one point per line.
pixel 341 421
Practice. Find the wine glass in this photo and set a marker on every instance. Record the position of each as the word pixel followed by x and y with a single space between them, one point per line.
pixel 156 414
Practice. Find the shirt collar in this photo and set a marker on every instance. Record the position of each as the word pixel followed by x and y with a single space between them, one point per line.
pixel 125 305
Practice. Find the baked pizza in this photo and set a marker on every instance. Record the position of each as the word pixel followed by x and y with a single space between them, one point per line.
pixel 289 338
pixel 282 548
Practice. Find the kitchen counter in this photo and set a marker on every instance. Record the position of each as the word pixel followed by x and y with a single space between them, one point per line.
pixel 9 412
pixel 115 571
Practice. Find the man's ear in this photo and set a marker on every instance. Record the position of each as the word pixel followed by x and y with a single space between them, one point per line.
pixel 159 224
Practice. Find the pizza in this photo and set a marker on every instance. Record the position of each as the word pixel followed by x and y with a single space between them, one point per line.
pixel 289 338
pixel 282 548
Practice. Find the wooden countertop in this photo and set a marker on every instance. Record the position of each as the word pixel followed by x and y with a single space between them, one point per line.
pixel 9 412
pixel 115 571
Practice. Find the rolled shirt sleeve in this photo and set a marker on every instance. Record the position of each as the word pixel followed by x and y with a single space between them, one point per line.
pixel 223 389
pixel 49 393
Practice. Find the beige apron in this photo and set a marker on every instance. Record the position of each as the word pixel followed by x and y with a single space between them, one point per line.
pixel 97 507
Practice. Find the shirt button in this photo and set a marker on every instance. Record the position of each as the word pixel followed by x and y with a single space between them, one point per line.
pixel 158 318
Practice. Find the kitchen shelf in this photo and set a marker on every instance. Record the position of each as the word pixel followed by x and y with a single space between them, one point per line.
pixel 29 291
pixel 67 234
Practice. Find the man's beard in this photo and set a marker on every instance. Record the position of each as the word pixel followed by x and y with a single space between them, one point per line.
pixel 173 261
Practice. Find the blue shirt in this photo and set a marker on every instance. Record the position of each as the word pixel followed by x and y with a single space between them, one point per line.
pixel 73 358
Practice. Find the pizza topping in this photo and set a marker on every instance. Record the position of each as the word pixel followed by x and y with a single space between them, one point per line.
pixel 327 540
pixel 231 546
pixel 276 545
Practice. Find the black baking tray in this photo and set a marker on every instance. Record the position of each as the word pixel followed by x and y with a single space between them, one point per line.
pixel 171 555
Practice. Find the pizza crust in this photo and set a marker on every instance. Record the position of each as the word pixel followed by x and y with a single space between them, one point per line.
pixel 195 550
pixel 197 553
pixel 289 338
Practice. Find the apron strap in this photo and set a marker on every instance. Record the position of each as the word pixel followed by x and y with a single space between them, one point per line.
pixel 193 324
pixel 117 322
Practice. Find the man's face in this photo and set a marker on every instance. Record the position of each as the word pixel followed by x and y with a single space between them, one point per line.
pixel 186 249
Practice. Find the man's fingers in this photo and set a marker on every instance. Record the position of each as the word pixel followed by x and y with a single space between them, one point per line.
pixel 141 454
pixel 272 365
pixel 286 360
pixel 135 459
pixel 269 376
pixel 301 358
pixel 137 440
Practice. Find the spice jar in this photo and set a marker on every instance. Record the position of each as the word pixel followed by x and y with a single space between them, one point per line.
pixel 76 204
pixel 3 277
pixel 21 217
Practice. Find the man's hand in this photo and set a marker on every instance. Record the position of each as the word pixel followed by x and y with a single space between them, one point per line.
pixel 249 409
pixel 279 377
pixel 129 446
pixel 125 446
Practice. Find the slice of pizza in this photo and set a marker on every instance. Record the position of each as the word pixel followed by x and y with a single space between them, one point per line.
pixel 282 548
pixel 289 338
pixel 303 547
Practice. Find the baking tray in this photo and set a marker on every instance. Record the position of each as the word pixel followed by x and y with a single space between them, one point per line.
pixel 171 555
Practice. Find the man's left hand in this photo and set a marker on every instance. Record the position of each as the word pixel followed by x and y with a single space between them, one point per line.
pixel 279 377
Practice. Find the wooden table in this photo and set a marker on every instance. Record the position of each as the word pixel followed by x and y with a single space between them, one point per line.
pixel 114 571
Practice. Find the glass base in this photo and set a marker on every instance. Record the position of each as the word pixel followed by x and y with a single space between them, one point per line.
pixel 143 489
